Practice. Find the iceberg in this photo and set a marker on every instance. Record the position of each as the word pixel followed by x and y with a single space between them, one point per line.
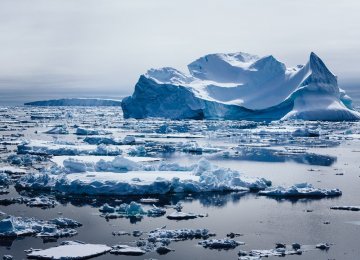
pixel 241 86
pixel 75 102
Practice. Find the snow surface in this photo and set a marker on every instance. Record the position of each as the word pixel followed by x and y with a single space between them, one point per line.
pixel 70 251
pixel 240 86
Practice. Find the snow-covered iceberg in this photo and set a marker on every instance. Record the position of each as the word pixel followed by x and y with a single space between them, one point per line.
pixel 241 86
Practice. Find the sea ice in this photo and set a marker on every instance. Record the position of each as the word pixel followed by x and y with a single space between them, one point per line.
pixel 58 130
pixel 70 251
pixel 126 250
pixel 22 226
pixel 220 243
pixel 203 177
pixel 159 235
pixel 181 216
pixel 300 190
pixel 87 131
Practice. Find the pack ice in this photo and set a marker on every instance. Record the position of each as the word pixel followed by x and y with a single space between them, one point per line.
pixel 141 180
pixel 241 86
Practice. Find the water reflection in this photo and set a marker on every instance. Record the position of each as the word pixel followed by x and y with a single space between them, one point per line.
pixel 272 155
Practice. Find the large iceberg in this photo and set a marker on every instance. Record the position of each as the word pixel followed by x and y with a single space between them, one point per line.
pixel 241 86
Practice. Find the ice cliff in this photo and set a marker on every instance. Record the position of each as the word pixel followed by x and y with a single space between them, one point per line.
pixel 241 86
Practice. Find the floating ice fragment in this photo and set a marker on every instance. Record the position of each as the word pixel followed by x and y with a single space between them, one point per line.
pixel 273 252
pixel 149 200
pixel 86 131
pixel 300 190
pixel 42 202
pixel 65 222
pixel 220 243
pixel 158 235
pixel 181 216
pixel 163 250
pixel 126 250
pixel 70 251
pixel 62 130
pixel 106 208
pixel 18 226
pixel 323 246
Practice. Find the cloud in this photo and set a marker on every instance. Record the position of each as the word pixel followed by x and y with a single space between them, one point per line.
pixel 81 46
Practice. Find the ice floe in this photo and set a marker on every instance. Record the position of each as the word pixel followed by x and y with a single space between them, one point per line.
pixel 70 251
pixel 62 130
pixel 22 226
pixel 48 148
pixel 181 216
pixel 126 250
pixel 204 177
pixel 225 243
pixel 300 190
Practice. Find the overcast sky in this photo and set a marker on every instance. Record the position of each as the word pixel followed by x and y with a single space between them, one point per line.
pixel 50 48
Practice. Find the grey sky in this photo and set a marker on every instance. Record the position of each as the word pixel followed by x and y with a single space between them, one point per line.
pixel 88 48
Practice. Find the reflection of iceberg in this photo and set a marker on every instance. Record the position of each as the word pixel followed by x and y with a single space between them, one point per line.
pixel 240 86
pixel 260 154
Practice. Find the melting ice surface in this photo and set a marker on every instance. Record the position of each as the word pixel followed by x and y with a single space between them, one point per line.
pixel 175 189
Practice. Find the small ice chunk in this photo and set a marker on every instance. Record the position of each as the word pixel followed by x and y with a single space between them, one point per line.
pixel 159 235
pixel 273 252
pixel 21 226
pixel 42 202
pixel 87 131
pixel 129 140
pixel 149 200
pixel 163 250
pixel 323 246
pixel 58 130
pixel 106 208
pixel 220 243
pixel 65 222
pixel 126 250
pixel 156 211
pixel 181 216
pixel 137 233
